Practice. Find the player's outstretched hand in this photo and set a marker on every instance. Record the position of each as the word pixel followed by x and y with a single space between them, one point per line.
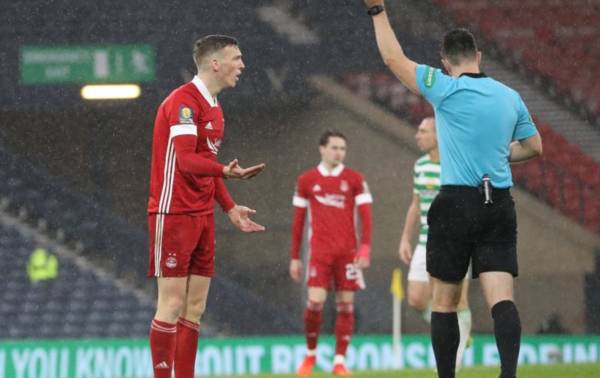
pixel 240 217
pixel 296 269
pixel 234 170
pixel 405 252
pixel 372 3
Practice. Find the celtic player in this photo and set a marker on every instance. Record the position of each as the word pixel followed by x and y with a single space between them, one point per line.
pixel 426 187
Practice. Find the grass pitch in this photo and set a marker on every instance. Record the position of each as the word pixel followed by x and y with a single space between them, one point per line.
pixel 547 371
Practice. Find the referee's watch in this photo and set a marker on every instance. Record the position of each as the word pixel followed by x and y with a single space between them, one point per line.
pixel 375 10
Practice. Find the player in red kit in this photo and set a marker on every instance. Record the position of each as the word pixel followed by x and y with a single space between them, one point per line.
pixel 332 193
pixel 186 180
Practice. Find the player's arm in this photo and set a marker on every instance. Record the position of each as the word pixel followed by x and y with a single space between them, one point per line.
pixel 184 140
pixel 222 195
pixel 391 52
pixel 300 208
pixel 184 134
pixel 411 220
pixel 364 203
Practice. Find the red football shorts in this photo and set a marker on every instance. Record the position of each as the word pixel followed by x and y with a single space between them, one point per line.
pixel 181 245
pixel 325 268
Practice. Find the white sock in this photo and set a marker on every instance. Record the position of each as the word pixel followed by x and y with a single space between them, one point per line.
pixel 464 327
pixel 311 352
pixel 339 359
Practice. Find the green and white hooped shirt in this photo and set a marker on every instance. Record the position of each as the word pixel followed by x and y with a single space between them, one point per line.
pixel 427 185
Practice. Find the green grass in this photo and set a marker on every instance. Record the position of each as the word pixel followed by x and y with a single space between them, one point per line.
pixel 548 371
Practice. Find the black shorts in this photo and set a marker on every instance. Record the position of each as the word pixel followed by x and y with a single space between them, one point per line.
pixel 463 229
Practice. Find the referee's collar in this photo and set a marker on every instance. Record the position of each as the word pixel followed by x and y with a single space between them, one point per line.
pixel 473 75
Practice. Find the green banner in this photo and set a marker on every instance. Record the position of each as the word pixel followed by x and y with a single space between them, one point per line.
pixel 84 64
pixel 114 358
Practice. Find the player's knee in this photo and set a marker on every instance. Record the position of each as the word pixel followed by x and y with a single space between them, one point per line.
pixel 172 306
pixel 314 306
pixel 195 309
pixel 417 301
pixel 345 307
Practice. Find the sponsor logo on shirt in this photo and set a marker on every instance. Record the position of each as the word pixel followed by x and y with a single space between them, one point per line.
pixel 429 77
pixel 332 200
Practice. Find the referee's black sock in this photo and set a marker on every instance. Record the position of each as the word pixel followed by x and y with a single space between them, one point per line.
pixel 507 328
pixel 445 337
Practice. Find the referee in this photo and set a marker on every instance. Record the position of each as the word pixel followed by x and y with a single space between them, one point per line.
pixel 483 126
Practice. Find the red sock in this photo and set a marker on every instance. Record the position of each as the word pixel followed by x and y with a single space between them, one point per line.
pixel 344 326
pixel 163 338
pixel 187 346
pixel 312 323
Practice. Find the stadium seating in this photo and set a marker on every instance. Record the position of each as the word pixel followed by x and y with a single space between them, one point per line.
pixel 565 177
pixel 566 54
pixel 103 238
pixel 78 303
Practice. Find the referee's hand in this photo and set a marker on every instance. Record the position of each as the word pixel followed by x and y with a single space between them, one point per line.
pixel 405 252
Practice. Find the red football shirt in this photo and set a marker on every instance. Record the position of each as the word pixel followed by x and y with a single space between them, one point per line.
pixel 189 110
pixel 332 198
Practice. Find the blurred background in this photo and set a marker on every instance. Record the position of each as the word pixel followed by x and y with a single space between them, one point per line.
pixel 74 170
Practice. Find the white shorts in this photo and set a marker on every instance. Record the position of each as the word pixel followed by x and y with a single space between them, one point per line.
pixel 418 266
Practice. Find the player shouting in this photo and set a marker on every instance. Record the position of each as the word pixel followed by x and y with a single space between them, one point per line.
pixel 185 181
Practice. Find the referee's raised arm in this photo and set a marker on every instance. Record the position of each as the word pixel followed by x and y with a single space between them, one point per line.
pixel 389 47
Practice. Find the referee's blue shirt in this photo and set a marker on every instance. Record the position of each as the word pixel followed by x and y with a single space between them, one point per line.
pixel 476 119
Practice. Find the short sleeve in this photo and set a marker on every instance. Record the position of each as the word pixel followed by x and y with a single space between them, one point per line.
pixel 362 194
pixel 182 115
pixel 301 193
pixel 525 127
pixel 415 178
pixel 433 84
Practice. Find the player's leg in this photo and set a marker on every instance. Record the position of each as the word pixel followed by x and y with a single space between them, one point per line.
pixel 346 283
pixel 344 328
pixel 319 277
pixel 188 326
pixel 464 322
pixel 168 261
pixel 201 270
pixel 419 289
pixel 312 317
pixel 163 330
pixel 312 324
pixel 498 291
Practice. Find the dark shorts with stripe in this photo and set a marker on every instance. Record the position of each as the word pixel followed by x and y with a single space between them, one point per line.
pixel 462 229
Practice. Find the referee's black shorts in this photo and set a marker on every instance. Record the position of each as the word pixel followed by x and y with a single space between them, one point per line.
pixel 463 229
